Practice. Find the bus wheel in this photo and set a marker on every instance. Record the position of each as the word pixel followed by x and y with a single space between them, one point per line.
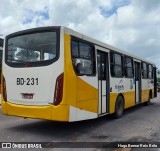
pixel 119 107
pixel 149 99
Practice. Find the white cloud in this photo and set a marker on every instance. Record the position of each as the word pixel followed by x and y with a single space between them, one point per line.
pixel 132 25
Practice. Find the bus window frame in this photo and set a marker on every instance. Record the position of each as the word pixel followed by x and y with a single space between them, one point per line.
pixel 142 70
pixel 32 31
pixel 93 60
pixel 113 64
pixel 150 71
pixel 1 42
pixel 125 67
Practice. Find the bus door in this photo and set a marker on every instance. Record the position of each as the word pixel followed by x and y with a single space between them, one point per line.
pixel 137 67
pixel 103 82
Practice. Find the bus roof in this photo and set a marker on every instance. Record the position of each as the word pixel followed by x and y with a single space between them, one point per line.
pixel 92 40
pixel 102 44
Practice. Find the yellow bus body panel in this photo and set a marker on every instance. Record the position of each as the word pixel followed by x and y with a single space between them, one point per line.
pixel 77 93
pixel 56 113
pixel 87 96
pixel 129 98
pixel 69 87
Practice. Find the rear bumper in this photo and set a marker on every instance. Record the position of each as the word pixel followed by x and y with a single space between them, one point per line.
pixel 50 112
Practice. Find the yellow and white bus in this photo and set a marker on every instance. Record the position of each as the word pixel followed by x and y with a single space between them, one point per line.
pixel 56 73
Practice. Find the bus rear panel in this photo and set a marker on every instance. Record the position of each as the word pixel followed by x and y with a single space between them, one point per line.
pixel 33 74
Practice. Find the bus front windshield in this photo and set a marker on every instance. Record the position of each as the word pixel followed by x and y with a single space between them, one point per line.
pixel 32 48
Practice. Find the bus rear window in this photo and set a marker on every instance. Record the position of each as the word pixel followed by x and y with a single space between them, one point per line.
pixel 34 48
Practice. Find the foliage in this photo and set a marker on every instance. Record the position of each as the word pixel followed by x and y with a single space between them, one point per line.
pixel 158 79
pixel 27 55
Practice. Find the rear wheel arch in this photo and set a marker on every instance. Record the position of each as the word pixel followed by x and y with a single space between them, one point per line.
pixel 149 98
pixel 150 93
pixel 119 106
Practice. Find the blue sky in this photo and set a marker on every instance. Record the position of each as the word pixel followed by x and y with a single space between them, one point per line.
pixel 131 25
pixel 30 14
pixel 116 4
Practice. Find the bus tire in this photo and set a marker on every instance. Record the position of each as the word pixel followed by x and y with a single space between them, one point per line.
pixel 119 107
pixel 149 99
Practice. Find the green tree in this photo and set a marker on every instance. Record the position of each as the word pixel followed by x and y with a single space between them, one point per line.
pixel 27 55
pixel 158 76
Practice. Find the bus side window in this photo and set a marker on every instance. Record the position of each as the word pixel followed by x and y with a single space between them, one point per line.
pixel 129 70
pixel 78 68
pixel 74 49
pixel 150 71
pixel 1 42
pixel 101 62
pixel 83 58
pixel 144 70
pixel 116 65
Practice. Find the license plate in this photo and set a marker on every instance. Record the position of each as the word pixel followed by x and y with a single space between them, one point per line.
pixel 27 95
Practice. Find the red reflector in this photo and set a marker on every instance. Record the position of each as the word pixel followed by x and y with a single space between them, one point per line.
pixel 56 26
pixel 28 65
pixel 58 90
pixel 4 91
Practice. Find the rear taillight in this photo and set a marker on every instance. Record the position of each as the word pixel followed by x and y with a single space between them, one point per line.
pixel 4 91
pixel 58 93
